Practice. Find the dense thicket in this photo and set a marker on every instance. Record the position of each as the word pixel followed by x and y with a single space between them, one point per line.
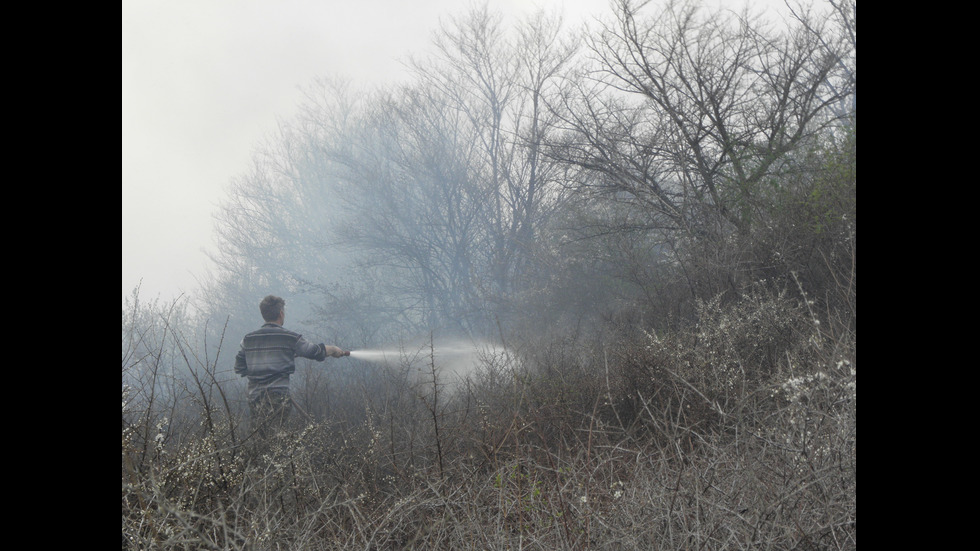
pixel 655 223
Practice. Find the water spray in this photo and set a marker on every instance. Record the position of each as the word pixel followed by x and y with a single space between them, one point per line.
pixel 455 358
pixel 374 355
pixel 392 353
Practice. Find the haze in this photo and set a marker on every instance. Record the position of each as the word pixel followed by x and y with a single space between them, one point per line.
pixel 204 83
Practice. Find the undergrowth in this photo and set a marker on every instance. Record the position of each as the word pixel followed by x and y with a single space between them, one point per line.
pixel 738 432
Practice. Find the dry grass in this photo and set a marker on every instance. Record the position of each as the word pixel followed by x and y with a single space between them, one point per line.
pixel 739 433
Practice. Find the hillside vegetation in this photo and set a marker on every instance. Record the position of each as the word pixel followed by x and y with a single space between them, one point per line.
pixel 655 224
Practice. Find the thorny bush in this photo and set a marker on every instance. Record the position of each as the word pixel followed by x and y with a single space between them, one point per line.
pixel 738 432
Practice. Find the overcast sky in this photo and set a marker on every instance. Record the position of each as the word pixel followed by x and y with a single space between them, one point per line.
pixel 203 83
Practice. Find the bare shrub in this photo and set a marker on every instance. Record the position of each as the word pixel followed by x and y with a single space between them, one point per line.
pixel 735 433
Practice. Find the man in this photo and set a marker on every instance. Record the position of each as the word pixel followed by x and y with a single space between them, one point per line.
pixel 267 358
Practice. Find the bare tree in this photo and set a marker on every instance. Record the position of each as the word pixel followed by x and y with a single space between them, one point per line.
pixel 501 83
pixel 691 113
pixel 442 182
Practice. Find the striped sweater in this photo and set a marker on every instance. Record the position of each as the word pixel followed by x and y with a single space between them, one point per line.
pixel 267 357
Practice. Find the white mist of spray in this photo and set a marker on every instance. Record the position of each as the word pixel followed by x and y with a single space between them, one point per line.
pixel 455 359
pixel 375 355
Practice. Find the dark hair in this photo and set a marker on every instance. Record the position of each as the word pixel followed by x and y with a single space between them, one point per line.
pixel 271 306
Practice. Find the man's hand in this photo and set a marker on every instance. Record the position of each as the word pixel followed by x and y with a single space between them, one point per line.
pixel 335 352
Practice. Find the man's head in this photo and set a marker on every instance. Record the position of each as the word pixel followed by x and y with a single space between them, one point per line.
pixel 271 307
